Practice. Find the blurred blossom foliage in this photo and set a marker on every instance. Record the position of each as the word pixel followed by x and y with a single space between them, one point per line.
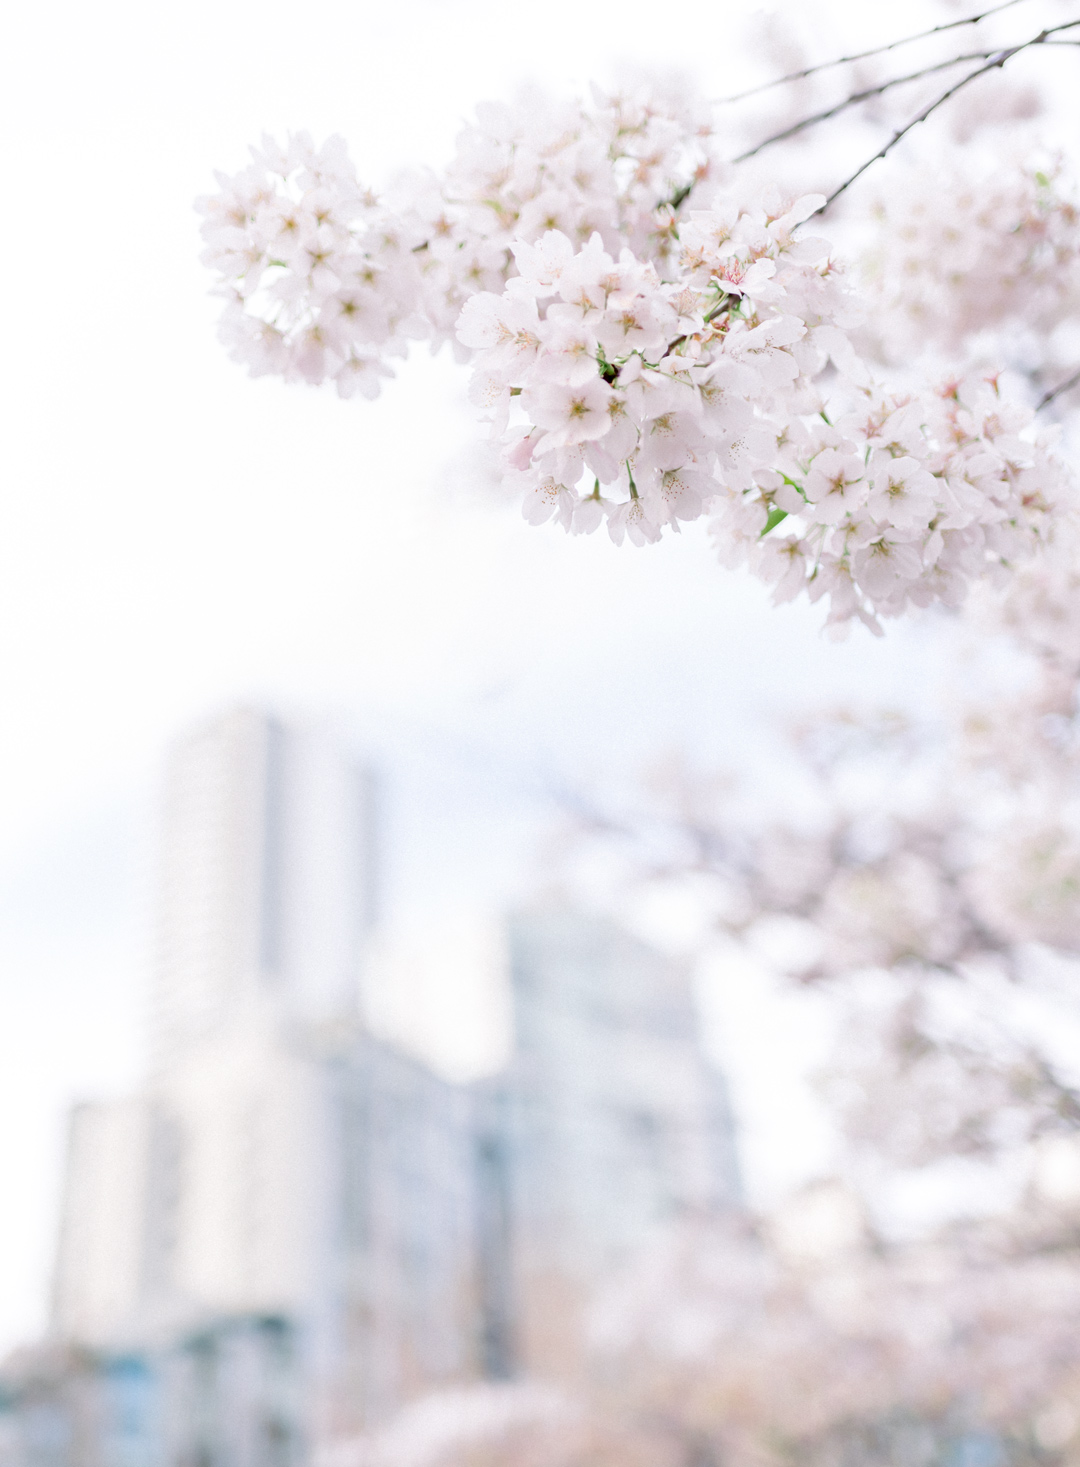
pixel 673 309
pixel 930 890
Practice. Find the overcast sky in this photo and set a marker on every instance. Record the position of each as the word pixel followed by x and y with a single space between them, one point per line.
pixel 176 536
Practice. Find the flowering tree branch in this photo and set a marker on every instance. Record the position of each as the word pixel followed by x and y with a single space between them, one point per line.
pixel 861 96
pixel 998 61
pixel 1065 386
pixel 808 71
pixel 945 862
pixel 654 342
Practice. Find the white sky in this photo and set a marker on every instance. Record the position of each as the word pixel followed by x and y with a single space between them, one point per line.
pixel 175 536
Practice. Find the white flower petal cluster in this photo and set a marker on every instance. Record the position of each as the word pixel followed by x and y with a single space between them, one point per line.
pixel 1041 607
pixel 652 346
pixel 320 280
pixel 979 250
pixel 616 168
pixel 324 280
pixel 953 1340
pixel 1028 882
pixel 635 396
pixel 635 379
pixel 904 499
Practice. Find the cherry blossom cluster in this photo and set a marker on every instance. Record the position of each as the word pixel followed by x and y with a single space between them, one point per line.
pixel 930 884
pixel 617 168
pixel 947 847
pixel 800 1335
pixel 902 500
pixel 943 1346
pixel 320 279
pixel 640 399
pixel 975 255
pixel 638 383
pixel 1040 609
pixel 653 344
pixel 323 280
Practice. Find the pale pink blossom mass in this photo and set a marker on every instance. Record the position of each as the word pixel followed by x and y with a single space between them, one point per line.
pixel 652 342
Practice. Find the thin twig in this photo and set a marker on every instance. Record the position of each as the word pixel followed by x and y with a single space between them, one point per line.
pixel 874 51
pixel 1057 391
pixel 862 96
pixel 998 61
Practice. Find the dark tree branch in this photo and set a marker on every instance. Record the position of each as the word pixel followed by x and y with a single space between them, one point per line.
pixel 995 64
pixel 862 96
pixel 863 55
pixel 1057 391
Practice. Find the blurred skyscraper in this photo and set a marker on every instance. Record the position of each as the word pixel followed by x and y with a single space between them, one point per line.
pixel 268 872
pixel 295 1227
pixel 198 1198
pixel 607 1123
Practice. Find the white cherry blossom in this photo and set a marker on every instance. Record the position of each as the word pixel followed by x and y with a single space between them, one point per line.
pixel 652 343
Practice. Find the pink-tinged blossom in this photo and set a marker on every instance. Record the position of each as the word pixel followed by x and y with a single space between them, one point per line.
pixel 886 566
pixel 678 494
pixel 571 347
pixel 503 326
pixel 569 414
pixel 902 491
pixel 545 500
pixel 631 520
pixel 324 274
pixel 540 266
pixel 975 258
pixel 900 504
pixel 836 485
pixel 687 348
